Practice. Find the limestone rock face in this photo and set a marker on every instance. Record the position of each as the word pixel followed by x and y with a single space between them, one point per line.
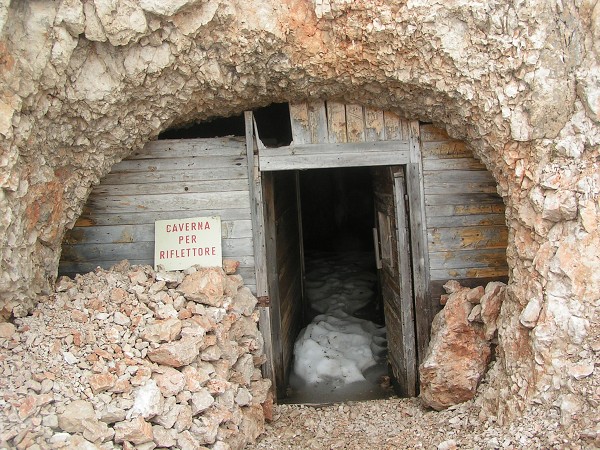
pixel 457 356
pixel 85 83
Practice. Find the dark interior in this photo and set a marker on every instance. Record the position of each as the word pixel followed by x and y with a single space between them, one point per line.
pixel 273 124
pixel 337 209
pixel 338 216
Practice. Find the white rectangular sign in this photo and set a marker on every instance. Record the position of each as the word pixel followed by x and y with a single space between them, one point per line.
pixel 182 243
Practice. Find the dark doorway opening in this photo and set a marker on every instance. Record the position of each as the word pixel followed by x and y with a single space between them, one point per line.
pixel 272 121
pixel 341 352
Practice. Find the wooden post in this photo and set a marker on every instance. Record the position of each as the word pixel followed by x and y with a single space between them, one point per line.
pixel 420 254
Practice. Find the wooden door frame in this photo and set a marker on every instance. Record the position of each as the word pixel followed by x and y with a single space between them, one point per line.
pixel 261 160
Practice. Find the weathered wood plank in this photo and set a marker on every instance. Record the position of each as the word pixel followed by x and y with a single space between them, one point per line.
pixel 374 124
pixel 302 162
pixel 300 123
pixel 407 314
pixel 442 210
pixel 193 163
pixel 430 132
pixel 393 127
pixel 440 165
pixel 464 238
pixel 349 147
pixel 182 202
pixel 96 218
pixel 141 250
pixel 273 284
pixel 471 272
pixel 355 123
pixel 171 187
pixel 420 252
pixel 466 221
pixel 434 187
pixel 143 232
pixel 453 176
pixel 336 122
pixel 175 176
pixel 446 149
pixel 186 148
pixel 257 219
pixel 461 199
pixel 264 325
pixel 468 259
pixel 317 117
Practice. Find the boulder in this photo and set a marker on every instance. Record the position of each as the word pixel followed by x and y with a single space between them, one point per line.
pixel 457 356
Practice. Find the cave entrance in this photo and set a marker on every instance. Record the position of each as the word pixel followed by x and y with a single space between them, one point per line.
pixel 338 262
pixel 341 274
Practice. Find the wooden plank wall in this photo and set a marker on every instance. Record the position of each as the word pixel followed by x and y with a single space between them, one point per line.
pixel 466 228
pixel 168 179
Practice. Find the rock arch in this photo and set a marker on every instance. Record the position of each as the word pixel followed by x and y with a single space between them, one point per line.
pixel 84 83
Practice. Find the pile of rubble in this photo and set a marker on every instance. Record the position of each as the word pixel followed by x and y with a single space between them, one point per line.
pixel 133 357
pixel 462 335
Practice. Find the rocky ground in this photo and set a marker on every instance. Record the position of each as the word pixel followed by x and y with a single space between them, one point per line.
pixel 131 358
pixel 404 424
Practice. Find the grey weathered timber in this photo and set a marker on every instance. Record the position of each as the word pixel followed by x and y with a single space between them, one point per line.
pixel 318 156
pixel 418 237
pixel 259 247
pixel 466 230
pixel 189 148
pixel 172 179
pixel 336 122
pixel 317 122
pixel 355 123
pixel 407 313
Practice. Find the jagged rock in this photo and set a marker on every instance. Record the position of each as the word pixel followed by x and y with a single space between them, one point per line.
pixel 201 401
pixel 162 330
pixel 491 301
pixel 7 330
pixel 170 381
pixel 457 355
pixel 205 286
pixel 148 401
pixel 76 412
pixel 178 353
pixel 137 431
pixel 244 301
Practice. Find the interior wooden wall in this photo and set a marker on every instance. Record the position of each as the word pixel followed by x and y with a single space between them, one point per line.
pixel 168 179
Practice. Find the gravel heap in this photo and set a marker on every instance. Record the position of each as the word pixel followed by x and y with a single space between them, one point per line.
pixel 402 423
pixel 131 357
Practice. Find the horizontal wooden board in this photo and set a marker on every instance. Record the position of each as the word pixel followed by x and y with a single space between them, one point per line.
pixel 430 132
pixel 232 248
pixel 302 162
pixel 457 176
pixel 434 187
pixel 474 272
pixel 90 217
pixel 335 148
pixel 465 209
pixel 445 149
pixel 175 176
pixel 443 164
pixel 193 163
pixel 186 148
pixel 172 188
pixel 182 202
pixel 467 259
pixel 466 221
pixel 461 199
pixel 143 232
pixel 441 239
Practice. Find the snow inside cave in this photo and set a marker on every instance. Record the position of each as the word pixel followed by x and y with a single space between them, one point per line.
pixel 341 354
